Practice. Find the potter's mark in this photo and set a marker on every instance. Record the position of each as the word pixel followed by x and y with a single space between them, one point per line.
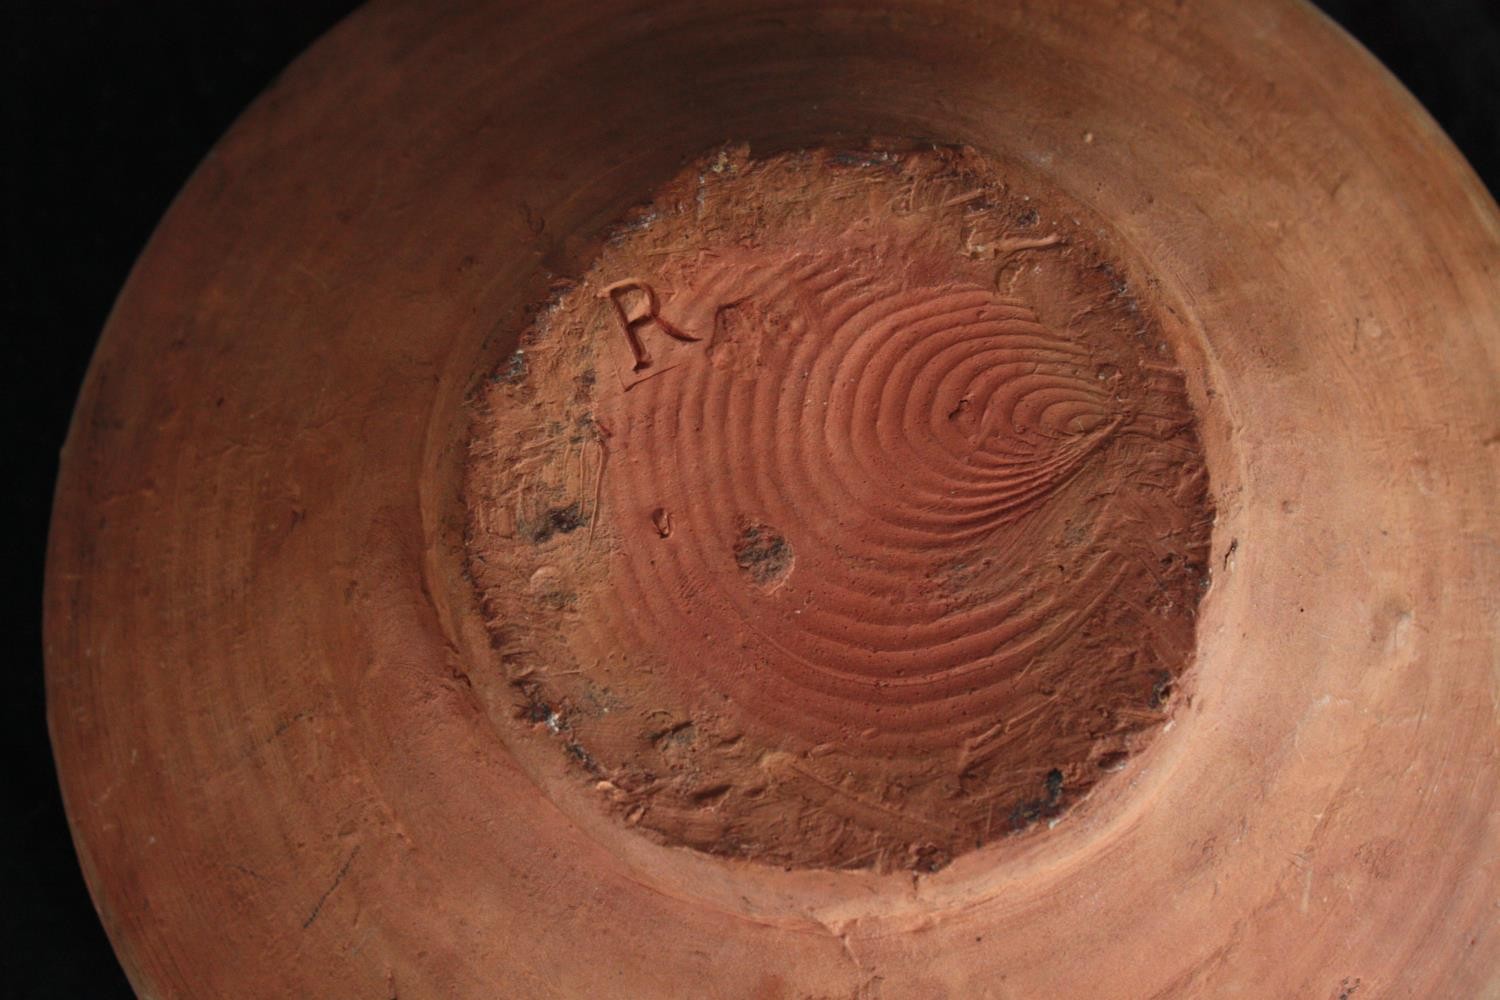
pixel 632 320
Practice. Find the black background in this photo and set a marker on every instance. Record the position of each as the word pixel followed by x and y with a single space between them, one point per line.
pixel 108 108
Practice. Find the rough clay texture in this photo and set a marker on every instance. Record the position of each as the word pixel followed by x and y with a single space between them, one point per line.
pixel 849 512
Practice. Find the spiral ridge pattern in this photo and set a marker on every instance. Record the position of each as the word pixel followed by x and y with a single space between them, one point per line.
pixel 845 514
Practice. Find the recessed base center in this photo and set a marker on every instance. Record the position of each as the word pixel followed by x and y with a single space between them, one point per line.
pixel 848 513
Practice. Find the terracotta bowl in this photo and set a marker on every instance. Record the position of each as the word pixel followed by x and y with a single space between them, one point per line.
pixel 732 499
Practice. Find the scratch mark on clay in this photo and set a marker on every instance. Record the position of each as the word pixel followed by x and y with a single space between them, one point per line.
pixel 318 906
pixel 647 378
pixel 599 478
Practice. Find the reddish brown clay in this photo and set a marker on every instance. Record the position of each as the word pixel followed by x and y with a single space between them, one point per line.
pixel 897 500
pixel 846 513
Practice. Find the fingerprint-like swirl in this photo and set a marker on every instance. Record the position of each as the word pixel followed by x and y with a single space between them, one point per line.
pixel 819 548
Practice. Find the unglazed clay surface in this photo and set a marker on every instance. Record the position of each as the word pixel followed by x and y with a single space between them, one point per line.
pixel 847 512
pixel 566 506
